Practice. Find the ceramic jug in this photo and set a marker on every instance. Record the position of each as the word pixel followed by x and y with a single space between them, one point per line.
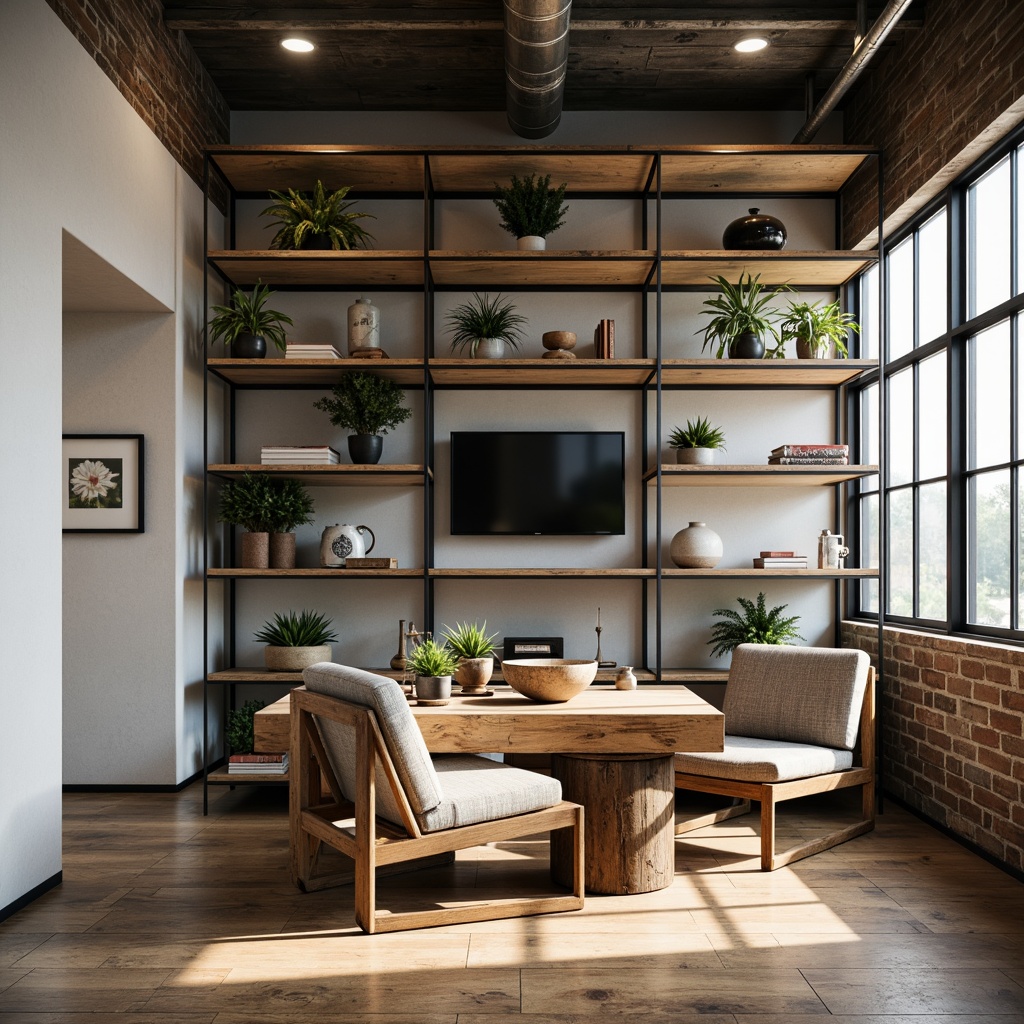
pixel 340 542
pixel 831 550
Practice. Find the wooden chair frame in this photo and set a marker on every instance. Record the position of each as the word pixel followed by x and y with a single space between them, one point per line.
pixel 861 773
pixel 354 830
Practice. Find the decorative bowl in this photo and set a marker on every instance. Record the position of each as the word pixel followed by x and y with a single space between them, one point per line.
pixel 549 680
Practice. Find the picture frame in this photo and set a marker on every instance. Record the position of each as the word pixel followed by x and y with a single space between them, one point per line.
pixel 532 647
pixel 102 489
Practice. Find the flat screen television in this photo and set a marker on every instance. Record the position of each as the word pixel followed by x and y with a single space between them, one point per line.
pixel 536 482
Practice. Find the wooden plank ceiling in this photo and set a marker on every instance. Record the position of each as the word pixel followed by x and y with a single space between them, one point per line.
pixel 448 54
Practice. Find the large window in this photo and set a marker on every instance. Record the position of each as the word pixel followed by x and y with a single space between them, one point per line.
pixel 953 439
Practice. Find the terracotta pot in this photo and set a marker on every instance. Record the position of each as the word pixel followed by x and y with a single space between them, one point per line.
pixel 282 551
pixel 473 674
pixel 255 550
pixel 295 659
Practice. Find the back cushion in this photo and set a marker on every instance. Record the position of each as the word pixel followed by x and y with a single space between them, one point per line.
pixel 799 694
pixel 401 734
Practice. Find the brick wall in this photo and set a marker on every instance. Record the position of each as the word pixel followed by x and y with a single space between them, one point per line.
pixel 155 69
pixel 934 104
pixel 952 714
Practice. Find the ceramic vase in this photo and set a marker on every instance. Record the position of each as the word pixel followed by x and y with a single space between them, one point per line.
pixel 624 678
pixel 755 231
pixel 696 456
pixel 696 546
pixel 489 348
pixel 531 243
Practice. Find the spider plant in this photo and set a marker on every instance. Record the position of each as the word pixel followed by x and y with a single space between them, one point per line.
pixel 431 658
pixel 697 434
pixel 307 629
pixel 482 318
pixel 757 625
pixel 317 221
pixel 247 315
pixel 819 327
pixel 741 308
pixel 470 640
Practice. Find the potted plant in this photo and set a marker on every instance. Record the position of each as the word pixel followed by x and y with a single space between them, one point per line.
pixel 239 729
pixel 741 318
pixel 249 502
pixel 296 641
pixel 820 330
pixel 292 507
pixel 698 443
pixel 531 209
pixel 317 221
pixel 757 625
pixel 247 326
pixel 433 664
pixel 484 326
pixel 475 651
pixel 369 406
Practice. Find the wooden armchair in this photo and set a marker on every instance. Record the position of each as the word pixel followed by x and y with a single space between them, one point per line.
pixel 798 721
pixel 390 803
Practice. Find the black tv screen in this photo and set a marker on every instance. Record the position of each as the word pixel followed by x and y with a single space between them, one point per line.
pixel 538 482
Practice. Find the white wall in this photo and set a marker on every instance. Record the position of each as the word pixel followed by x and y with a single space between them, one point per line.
pixel 76 157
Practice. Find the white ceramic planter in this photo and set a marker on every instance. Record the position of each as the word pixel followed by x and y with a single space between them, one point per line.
pixel 696 456
pixel 489 348
pixel 696 546
pixel 531 243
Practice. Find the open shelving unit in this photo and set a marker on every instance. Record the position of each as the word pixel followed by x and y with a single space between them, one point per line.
pixel 650 178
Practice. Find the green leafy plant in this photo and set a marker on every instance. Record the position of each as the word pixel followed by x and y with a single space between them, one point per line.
pixel 740 308
pixel 365 404
pixel 820 325
pixel 431 658
pixel 468 640
pixel 239 729
pixel 307 629
pixel 304 216
pixel 530 206
pixel 293 506
pixel 757 625
pixel 484 317
pixel 247 315
pixel 697 434
pixel 249 502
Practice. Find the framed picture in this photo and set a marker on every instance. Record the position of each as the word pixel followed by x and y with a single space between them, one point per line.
pixel 532 647
pixel 102 488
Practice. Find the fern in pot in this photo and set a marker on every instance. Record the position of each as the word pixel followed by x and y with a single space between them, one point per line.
pixel 475 650
pixel 247 325
pixel 433 664
pixel 369 406
pixel 756 625
pixel 317 220
pixel 531 209
pixel 295 642
pixel 485 326
pixel 698 443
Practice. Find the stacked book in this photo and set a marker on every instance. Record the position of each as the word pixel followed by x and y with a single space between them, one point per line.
pixel 296 350
pixel 810 455
pixel 604 340
pixel 258 764
pixel 780 560
pixel 299 455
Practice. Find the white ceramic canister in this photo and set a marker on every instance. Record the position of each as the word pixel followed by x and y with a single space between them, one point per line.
pixel 363 325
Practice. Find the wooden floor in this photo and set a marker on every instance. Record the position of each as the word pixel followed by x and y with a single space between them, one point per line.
pixel 167 917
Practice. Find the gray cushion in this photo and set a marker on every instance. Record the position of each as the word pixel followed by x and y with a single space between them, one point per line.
pixel 478 789
pixel 401 734
pixel 798 694
pixel 748 759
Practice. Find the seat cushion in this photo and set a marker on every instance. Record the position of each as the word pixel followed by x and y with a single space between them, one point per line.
pixel 750 759
pixel 398 727
pixel 798 694
pixel 478 789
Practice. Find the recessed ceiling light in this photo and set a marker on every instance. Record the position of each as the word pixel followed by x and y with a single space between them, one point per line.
pixel 297 45
pixel 751 45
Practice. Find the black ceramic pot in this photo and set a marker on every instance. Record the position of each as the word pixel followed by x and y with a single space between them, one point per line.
pixel 365 449
pixel 249 346
pixel 746 346
pixel 321 241
pixel 757 231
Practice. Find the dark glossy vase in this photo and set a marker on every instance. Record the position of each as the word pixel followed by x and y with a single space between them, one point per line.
pixel 365 449
pixel 746 346
pixel 757 231
pixel 321 241
pixel 249 346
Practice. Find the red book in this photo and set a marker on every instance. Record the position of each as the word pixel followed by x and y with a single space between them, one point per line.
pixel 778 554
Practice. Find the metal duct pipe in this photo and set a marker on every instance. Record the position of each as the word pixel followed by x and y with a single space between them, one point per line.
pixel 536 54
pixel 851 71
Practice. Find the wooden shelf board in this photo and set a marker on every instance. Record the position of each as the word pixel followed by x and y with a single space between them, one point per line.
pixel 220 777
pixel 604 172
pixel 761 170
pixel 533 574
pixel 827 269
pixel 819 574
pixel 257 675
pixel 333 476
pixel 321 267
pixel 311 372
pixel 550 267
pixel 804 373
pixel 756 476
pixel 302 574
pixel 694 675
pixel 556 373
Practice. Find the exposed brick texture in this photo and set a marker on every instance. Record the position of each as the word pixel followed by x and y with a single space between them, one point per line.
pixel 155 69
pixel 934 104
pixel 951 741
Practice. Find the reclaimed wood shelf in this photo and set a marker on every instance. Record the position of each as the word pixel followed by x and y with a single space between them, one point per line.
pixel 320 268
pixel 744 573
pixel 315 574
pixel 756 475
pixel 809 269
pixel 220 777
pixel 554 373
pixel 540 574
pixel 568 268
pixel 258 675
pixel 342 475
pixel 313 373
pixel 763 373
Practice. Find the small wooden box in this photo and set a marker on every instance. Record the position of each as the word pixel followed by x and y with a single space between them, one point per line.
pixel 371 563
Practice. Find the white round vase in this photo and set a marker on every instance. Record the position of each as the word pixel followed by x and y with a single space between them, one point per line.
pixel 531 243
pixel 696 547
pixel 489 348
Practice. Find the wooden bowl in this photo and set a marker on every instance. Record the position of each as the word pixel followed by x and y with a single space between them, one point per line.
pixel 549 680
pixel 558 339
